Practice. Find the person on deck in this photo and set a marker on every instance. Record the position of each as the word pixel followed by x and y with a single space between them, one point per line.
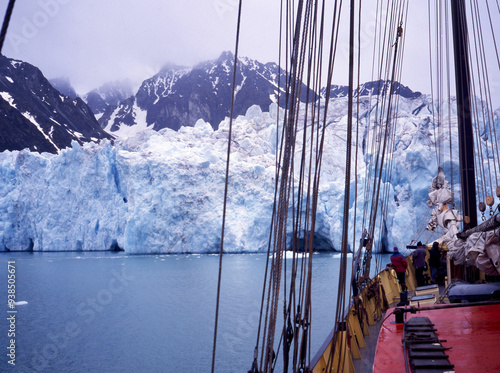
pixel 419 263
pixel 434 261
pixel 400 264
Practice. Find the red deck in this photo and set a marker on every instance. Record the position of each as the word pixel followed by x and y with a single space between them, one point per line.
pixel 472 332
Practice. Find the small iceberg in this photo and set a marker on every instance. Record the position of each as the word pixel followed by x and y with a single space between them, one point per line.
pixel 289 255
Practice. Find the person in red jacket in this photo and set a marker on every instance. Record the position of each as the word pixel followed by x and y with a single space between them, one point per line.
pixel 400 264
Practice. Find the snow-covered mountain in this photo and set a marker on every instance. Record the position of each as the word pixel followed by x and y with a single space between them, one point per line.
pixel 35 115
pixel 161 191
pixel 179 96
pixel 374 88
pixel 109 94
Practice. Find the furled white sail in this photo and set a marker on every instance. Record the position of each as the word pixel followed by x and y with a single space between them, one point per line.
pixel 481 249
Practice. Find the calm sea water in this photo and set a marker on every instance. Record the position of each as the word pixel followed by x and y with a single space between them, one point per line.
pixel 107 312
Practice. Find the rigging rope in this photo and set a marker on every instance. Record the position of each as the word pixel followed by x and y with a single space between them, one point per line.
pixel 485 110
pixel 233 92
pixel 307 43
pixel 284 195
pixel 347 181
pixel 448 91
pixel 354 271
pixel 302 55
pixel 493 33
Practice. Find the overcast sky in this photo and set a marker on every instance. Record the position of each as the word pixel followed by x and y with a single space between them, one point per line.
pixel 95 41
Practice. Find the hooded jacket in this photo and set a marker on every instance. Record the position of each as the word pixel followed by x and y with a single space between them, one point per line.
pixel 399 262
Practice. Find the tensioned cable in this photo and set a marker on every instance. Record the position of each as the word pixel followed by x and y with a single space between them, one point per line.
pixel 481 109
pixel 493 33
pixel 297 216
pixel 440 63
pixel 342 282
pixel 347 192
pixel 380 153
pixel 333 43
pixel 284 193
pixel 383 133
pixel 371 167
pixel 369 140
pixel 277 168
pixel 279 155
pixel 441 76
pixel 305 361
pixel 226 184
pixel 298 311
pixel 353 270
pixel 306 297
pixel 398 14
pixel 484 84
pixel 382 41
pixel 377 128
pixel 6 21
pixel 436 82
pixel 299 361
pixel 431 77
pixel 491 116
pixel 310 241
pixel 422 225
pixel 475 111
pixel 343 264
pixel 306 229
pixel 384 144
pixel 448 95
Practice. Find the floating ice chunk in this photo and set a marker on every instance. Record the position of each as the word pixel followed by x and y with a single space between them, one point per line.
pixel 203 127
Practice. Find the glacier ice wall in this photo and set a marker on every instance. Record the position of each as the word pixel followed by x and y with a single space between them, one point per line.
pixel 162 192
pixel 155 192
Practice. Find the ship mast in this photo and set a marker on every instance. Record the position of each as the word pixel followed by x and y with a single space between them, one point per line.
pixel 465 134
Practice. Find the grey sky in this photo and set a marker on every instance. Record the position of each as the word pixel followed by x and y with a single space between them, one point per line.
pixel 95 41
pixel 92 41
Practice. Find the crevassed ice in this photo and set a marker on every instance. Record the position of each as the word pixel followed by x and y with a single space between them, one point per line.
pixel 162 192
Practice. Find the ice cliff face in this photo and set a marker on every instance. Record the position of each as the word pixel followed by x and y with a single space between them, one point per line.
pixel 155 192
pixel 162 192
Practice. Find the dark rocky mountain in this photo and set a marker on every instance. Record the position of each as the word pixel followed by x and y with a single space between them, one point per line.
pixel 179 96
pixel 35 115
pixel 109 94
pixel 375 88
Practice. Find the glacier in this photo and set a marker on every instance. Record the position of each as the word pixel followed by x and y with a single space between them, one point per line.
pixel 162 192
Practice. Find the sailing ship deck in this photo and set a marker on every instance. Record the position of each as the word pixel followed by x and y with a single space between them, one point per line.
pixel 471 333
pixel 365 364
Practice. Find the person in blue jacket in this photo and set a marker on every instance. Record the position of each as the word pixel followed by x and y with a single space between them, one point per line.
pixel 400 264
